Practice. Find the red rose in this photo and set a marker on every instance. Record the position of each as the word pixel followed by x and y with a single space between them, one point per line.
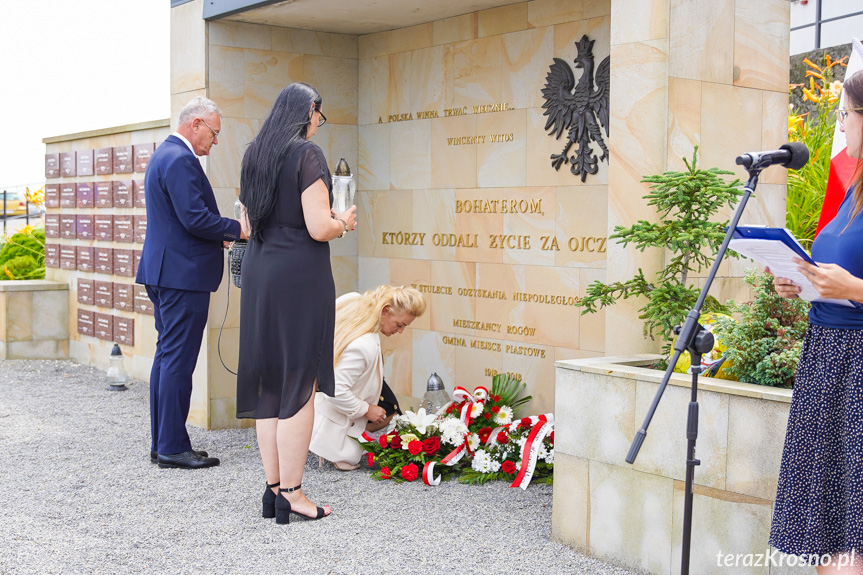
pixel 410 472
pixel 486 415
pixel 502 437
pixel 496 398
pixel 551 437
pixel 385 472
pixel 484 433
pixel 525 422
pixel 494 409
pixel 431 445
pixel 396 442
pixel 415 447
pixel 508 467
pixel 370 458
pixel 383 440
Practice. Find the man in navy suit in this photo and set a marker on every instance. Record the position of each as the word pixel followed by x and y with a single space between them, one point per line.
pixel 181 263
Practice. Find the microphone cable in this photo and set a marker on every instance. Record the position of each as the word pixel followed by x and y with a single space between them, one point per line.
pixel 227 307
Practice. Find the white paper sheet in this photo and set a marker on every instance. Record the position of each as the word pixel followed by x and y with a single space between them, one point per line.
pixel 778 257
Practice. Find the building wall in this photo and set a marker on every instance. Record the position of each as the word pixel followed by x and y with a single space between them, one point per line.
pixel 90 349
pixel 414 111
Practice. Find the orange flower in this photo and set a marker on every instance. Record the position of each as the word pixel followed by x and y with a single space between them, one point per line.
pixel 808 62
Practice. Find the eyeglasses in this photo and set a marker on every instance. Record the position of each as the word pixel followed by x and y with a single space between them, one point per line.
pixel 843 114
pixel 215 133
pixel 323 119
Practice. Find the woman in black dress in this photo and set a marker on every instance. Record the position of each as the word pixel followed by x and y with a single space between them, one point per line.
pixel 288 298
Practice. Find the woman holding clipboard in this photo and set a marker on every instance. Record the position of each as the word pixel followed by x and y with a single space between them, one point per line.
pixel 819 500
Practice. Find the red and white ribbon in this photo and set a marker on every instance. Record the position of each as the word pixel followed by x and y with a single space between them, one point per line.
pixel 530 451
pixel 428 474
pixel 366 437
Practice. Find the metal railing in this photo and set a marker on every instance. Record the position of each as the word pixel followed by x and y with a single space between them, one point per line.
pixel 819 21
pixel 19 191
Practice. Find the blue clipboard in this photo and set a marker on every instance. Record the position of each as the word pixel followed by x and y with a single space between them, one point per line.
pixel 775 234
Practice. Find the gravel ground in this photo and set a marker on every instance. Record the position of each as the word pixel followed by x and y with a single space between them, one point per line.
pixel 79 495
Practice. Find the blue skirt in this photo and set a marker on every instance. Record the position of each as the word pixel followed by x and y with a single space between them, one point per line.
pixel 819 501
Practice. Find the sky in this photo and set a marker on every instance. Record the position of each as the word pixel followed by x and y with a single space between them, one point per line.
pixel 71 66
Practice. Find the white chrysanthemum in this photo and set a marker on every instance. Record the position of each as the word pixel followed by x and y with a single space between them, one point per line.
pixel 503 416
pixel 521 441
pixel 543 452
pixel 452 431
pixel 475 410
pixel 473 441
pixel 481 462
pixel 549 457
pixel 495 465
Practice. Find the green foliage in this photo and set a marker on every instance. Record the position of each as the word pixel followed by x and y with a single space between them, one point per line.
pixel 806 186
pixel 508 388
pixel 685 202
pixel 23 256
pixel 764 346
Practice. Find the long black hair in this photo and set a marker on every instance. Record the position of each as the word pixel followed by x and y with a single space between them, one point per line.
pixel 285 126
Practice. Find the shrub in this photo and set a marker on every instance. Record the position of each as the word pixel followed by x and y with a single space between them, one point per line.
pixel 764 346
pixel 23 256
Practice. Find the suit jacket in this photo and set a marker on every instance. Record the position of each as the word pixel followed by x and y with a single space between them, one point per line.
pixel 183 246
pixel 338 419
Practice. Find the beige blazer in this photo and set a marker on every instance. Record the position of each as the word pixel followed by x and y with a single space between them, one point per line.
pixel 338 419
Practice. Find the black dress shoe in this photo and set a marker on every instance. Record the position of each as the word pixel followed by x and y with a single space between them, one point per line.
pixel 186 460
pixel 154 455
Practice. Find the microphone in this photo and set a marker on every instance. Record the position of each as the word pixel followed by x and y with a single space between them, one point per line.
pixel 793 156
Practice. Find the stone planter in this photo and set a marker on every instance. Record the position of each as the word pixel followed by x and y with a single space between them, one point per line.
pixel 632 515
pixel 34 319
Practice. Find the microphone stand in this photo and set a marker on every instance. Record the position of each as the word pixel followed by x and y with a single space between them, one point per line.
pixel 692 337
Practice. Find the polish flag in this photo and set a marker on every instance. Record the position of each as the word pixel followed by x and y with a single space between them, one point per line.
pixel 841 165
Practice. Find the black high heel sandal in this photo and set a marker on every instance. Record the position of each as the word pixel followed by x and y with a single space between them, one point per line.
pixel 283 508
pixel 269 502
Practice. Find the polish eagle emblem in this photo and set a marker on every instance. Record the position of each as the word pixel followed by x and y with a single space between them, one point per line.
pixel 578 108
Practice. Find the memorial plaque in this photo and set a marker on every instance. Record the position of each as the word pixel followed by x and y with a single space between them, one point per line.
pixel 68 257
pixel 124 296
pixel 124 229
pixel 52 255
pixel 140 228
pixel 85 227
pixel 84 162
pixel 122 193
pixel 52 225
pixel 141 156
pixel 123 264
pixel 142 300
pixel 68 223
pixel 104 161
pixel 123 160
pixel 140 201
pixel 86 258
pixel 104 294
pixel 68 195
pixel 104 260
pixel 136 257
pixel 52 195
pixel 85 195
pixel 86 325
pixel 104 195
pixel 86 291
pixel 67 164
pixel 124 330
pixel 52 165
pixel 104 326
pixel 104 224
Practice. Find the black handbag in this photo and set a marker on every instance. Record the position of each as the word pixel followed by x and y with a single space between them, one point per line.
pixel 235 261
pixel 388 400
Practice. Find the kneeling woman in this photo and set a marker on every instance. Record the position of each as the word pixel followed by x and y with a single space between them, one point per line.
pixel 359 370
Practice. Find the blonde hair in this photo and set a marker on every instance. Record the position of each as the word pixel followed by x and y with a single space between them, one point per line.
pixel 361 315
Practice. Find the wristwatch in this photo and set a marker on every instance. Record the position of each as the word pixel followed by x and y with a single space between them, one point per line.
pixel 344 223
